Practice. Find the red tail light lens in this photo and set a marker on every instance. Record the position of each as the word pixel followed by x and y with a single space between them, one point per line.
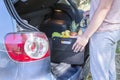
pixel 25 47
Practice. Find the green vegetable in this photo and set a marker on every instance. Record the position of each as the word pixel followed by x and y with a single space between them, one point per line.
pixel 56 34
pixel 74 26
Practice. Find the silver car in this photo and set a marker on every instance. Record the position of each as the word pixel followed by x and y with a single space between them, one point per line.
pixel 26 46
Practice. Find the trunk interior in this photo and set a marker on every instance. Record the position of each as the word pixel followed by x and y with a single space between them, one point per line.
pixel 34 12
pixel 48 16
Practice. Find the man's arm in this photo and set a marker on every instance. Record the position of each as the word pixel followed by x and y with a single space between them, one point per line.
pixel 97 19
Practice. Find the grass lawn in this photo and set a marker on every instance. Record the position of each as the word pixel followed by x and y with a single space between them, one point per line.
pixel 118 47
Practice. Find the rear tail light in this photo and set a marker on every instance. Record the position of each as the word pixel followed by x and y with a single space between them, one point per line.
pixel 25 47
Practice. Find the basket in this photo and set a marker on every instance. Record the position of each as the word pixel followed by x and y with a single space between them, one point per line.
pixel 62 51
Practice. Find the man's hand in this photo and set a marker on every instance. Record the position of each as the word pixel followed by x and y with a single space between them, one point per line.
pixel 80 44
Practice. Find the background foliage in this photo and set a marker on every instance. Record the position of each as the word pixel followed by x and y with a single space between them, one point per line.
pixel 83 4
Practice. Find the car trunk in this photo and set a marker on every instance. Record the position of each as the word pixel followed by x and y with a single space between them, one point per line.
pixel 42 14
pixel 48 17
pixel 34 11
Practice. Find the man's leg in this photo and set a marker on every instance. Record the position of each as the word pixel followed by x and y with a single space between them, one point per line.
pixel 101 45
pixel 112 69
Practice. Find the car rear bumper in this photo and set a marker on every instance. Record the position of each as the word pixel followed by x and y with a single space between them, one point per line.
pixel 36 70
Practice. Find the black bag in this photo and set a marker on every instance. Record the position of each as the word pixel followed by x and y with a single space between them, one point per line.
pixel 62 51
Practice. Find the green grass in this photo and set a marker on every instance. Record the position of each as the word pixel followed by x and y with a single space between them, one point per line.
pixel 89 77
pixel 118 48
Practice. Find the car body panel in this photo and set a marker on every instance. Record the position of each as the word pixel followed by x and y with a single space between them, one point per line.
pixel 7 23
pixel 13 70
